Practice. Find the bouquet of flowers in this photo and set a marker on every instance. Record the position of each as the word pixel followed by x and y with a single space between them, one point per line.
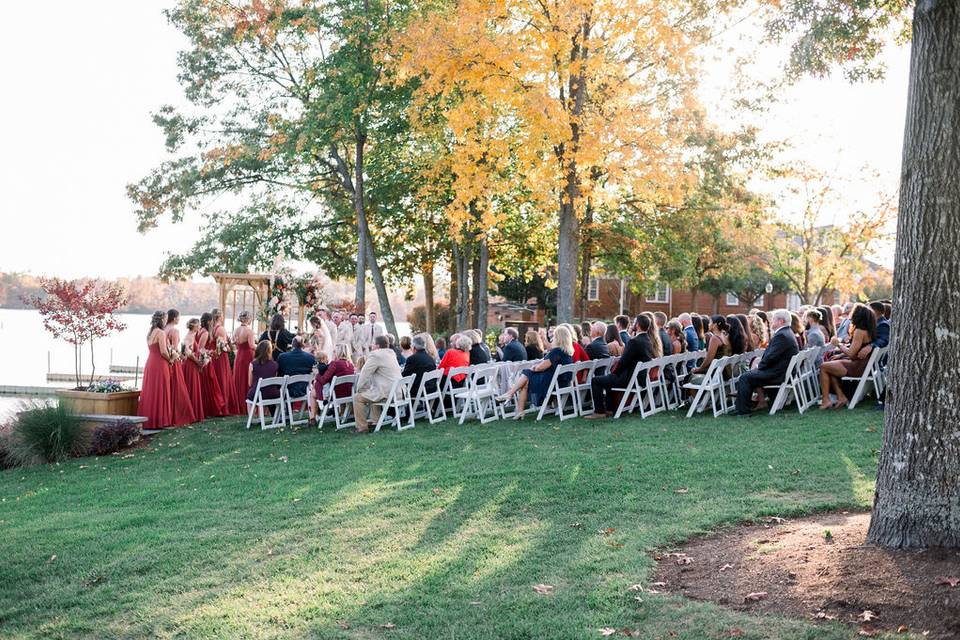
pixel 105 386
pixel 223 346
pixel 310 294
pixel 204 358
pixel 278 300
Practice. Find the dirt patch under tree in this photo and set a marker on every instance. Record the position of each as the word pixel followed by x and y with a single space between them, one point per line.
pixel 819 568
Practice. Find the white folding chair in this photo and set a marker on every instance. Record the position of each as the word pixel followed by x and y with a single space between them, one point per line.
pixel 398 402
pixel 259 403
pixel 873 375
pixel 791 388
pixel 306 379
pixel 450 388
pixel 582 388
pixel 430 403
pixel 340 405
pixel 713 385
pixel 480 394
pixel 561 392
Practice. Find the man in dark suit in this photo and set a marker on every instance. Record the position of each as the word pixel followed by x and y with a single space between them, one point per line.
pixel 597 348
pixel 418 364
pixel 638 349
pixel 622 321
pixel 882 337
pixel 773 365
pixel 693 340
pixel 294 363
pixel 513 351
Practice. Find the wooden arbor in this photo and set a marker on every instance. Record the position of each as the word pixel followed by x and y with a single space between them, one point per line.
pixel 243 292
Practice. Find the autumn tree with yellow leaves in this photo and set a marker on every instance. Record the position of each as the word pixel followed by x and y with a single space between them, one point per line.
pixel 593 99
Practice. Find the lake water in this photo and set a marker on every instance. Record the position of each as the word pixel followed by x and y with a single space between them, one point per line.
pixel 30 351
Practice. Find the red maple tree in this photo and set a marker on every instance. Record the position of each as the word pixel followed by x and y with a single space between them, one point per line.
pixel 79 311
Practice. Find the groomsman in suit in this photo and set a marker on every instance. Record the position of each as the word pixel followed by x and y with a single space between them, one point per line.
pixel 344 334
pixel 357 343
pixel 773 365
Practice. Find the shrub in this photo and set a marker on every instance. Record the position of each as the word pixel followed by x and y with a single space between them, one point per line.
pixel 417 317
pixel 46 433
pixel 7 460
pixel 114 436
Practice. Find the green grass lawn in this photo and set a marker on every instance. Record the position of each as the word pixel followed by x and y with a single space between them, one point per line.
pixel 439 532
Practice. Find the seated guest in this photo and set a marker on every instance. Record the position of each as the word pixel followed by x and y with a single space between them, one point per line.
pixel 717 347
pixel 431 346
pixel 535 381
pixel 597 348
pixel 380 371
pixel 622 323
pixel 532 345
pixel 661 318
pixel 513 351
pixel 773 365
pixel 827 327
pixel 677 336
pixel 478 354
pixel 263 366
pixel 748 339
pixel 851 360
pixel 342 365
pixel 418 364
pixel 613 340
pixel 814 334
pixel 797 329
pixel 690 333
pixel 584 333
pixel 406 349
pixel 638 349
pixel 458 355
pixel 843 328
pixel 294 363
pixel 700 330
pixel 441 348
pixel 882 338
pixel 760 331
pixel 280 339
pixel 579 353
pixel 392 342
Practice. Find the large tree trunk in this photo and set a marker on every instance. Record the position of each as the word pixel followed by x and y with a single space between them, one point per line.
pixel 364 230
pixel 475 300
pixel 567 251
pixel 430 313
pixel 917 501
pixel 586 259
pixel 459 307
pixel 360 292
pixel 482 283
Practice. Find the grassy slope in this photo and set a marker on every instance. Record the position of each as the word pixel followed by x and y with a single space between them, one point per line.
pixel 441 531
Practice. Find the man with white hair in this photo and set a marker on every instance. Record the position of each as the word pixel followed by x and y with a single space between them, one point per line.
pixel 419 363
pixel 597 347
pixel 773 365
pixel 380 371
pixel 693 340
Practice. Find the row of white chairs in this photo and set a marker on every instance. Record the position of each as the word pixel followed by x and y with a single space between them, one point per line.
pixel 653 387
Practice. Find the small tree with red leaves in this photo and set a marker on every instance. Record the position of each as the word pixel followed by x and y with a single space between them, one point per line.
pixel 79 311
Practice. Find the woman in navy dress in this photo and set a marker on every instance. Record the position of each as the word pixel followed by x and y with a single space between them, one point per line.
pixel 535 381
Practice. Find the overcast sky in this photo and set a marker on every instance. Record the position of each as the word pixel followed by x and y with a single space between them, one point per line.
pixel 81 82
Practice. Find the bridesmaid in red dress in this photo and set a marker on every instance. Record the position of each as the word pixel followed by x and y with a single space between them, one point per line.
pixel 221 361
pixel 155 392
pixel 245 341
pixel 214 403
pixel 183 411
pixel 191 368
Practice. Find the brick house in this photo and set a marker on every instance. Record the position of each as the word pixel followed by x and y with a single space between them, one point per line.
pixel 609 296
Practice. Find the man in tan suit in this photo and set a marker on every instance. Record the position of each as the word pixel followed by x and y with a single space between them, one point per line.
pixel 380 371
pixel 357 338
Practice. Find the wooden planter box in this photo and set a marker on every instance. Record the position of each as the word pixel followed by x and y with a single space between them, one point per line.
pixel 121 403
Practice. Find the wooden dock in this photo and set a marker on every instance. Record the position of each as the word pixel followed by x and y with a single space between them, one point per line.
pixel 125 368
pixel 69 377
pixel 19 390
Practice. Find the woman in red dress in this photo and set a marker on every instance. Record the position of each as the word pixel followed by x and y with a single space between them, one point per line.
pixel 245 342
pixel 155 393
pixel 221 363
pixel 183 411
pixel 191 368
pixel 214 402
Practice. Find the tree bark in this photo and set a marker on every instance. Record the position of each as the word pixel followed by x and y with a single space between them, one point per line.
pixel 482 285
pixel 567 250
pixel 475 298
pixel 360 293
pixel 917 500
pixel 461 258
pixel 429 308
pixel 586 260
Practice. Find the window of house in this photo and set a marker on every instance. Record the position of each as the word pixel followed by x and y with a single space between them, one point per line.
pixel 593 289
pixel 758 302
pixel 659 294
pixel 793 301
pixel 732 300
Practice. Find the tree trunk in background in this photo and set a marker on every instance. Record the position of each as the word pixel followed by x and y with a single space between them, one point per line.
pixel 481 277
pixel 475 299
pixel 452 294
pixel 364 231
pixel 461 257
pixel 586 261
pixel 567 249
pixel 917 500
pixel 429 308
pixel 360 293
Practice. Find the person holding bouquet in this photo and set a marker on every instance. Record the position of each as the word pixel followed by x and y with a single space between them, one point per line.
pixel 183 411
pixel 214 402
pixel 245 342
pixel 190 354
pixel 154 404
pixel 221 364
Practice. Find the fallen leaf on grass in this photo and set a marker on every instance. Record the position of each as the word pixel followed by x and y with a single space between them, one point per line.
pixel 868 632
pixel 607 631
pixel 606 532
pixel 902 629
pixel 682 490
pixel 284 458
pixel 296 499
pixel 866 616
pixel 388 625
pixel 823 615
pixel 658 584
pixel 635 587
pixel 947 581
pixel 735 633
pixel 343 624
pixel 615 545
pixel 725 567
pixel 576 525
pixel 437 491
pixel 543 589
pixel 755 596
pixel 52 558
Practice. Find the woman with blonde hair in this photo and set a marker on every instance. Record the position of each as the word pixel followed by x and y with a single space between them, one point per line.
pixel 535 381
pixel 478 354
pixel 431 346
